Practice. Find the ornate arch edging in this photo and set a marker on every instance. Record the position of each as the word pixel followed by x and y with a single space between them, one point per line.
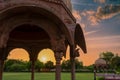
pixel 79 38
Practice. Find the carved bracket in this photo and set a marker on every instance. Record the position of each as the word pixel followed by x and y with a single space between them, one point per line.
pixel 58 45
pixel 77 52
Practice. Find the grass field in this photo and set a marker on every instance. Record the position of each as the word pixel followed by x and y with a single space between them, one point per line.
pixel 46 76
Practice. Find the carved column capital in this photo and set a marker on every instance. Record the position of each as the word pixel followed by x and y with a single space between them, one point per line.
pixel 58 45
pixel 76 53
pixel 33 53
pixel 58 56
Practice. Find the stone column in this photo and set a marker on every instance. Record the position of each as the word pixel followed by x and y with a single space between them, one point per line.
pixel 1 68
pixel 58 46
pixel 72 60
pixel 32 69
pixel 58 57
pixel 3 56
pixel 73 54
pixel 94 72
pixel 33 52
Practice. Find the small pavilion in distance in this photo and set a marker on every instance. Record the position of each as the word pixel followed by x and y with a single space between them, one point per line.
pixel 38 24
pixel 103 70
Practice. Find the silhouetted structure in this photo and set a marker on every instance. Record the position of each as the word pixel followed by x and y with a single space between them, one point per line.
pixel 37 24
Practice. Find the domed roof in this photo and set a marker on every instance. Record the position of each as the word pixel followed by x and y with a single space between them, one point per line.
pixel 68 4
pixel 100 62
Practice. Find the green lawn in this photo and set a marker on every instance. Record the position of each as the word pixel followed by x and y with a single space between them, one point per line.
pixel 46 76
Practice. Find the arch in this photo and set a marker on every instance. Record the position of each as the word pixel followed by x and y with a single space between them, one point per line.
pixel 14 13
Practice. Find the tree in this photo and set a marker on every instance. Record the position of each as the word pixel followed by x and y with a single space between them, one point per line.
pixel 90 67
pixel 38 65
pixel 78 64
pixel 14 65
pixel 28 65
pixel 49 65
pixel 66 65
pixel 107 56
pixel 17 67
pixel 116 62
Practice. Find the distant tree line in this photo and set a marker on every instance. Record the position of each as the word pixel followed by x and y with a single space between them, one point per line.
pixel 66 65
pixel 12 65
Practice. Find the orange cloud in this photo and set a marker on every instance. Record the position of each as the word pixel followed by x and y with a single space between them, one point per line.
pixel 78 17
pixel 91 32
pixel 100 1
pixel 76 14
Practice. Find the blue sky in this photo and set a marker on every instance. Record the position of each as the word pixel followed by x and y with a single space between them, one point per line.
pixel 100 20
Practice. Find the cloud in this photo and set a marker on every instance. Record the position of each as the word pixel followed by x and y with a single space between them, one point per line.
pixel 102 13
pixel 83 4
pixel 100 1
pixel 91 32
pixel 78 17
pixel 93 20
pixel 107 12
pixel 76 14
pixel 90 14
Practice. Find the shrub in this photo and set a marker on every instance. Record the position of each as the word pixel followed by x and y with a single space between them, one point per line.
pixel 101 78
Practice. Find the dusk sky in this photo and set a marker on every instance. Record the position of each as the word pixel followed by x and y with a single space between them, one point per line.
pixel 100 21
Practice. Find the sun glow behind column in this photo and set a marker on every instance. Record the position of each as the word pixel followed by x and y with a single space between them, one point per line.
pixel 46 55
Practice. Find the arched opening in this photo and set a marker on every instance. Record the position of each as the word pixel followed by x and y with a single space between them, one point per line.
pixel 18 54
pixel 17 61
pixel 46 55
pixel 30 37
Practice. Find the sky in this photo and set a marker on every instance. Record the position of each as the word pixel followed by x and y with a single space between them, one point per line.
pixel 100 21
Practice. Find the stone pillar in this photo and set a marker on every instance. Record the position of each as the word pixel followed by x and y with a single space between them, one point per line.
pixel 94 72
pixel 3 56
pixel 73 54
pixel 72 59
pixel 32 69
pixel 1 68
pixel 58 57
pixel 33 52
pixel 58 46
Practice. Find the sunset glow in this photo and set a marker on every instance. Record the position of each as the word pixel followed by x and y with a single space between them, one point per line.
pixel 19 54
pixel 43 59
pixel 46 55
